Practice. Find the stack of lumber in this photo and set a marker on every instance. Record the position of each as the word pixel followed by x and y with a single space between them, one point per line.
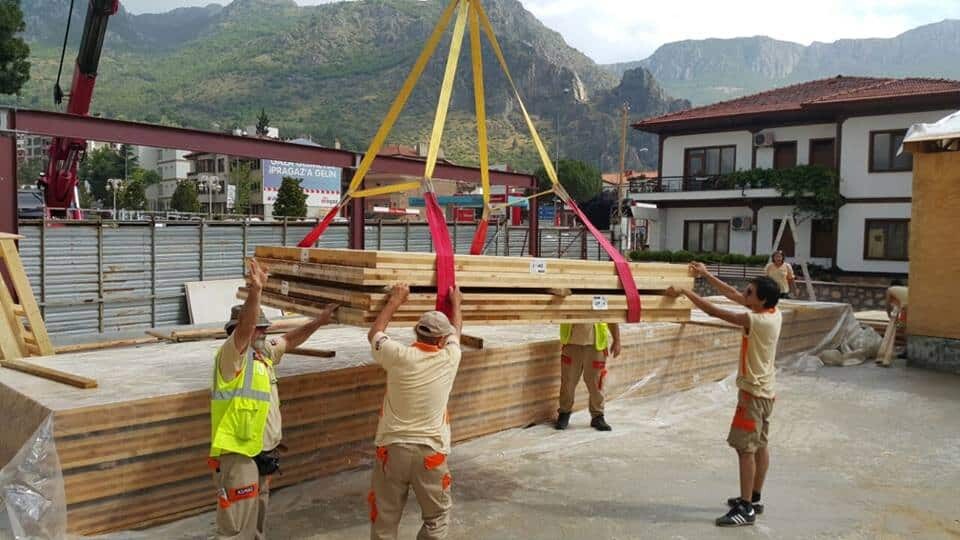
pixel 134 454
pixel 497 290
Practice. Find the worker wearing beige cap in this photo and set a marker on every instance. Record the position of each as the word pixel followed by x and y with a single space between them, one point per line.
pixel 413 436
pixel 245 413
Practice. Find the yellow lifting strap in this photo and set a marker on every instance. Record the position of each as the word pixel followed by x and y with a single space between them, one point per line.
pixel 481 109
pixel 488 30
pixel 520 200
pixel 446 89
pixel 383 190
pixel 408 85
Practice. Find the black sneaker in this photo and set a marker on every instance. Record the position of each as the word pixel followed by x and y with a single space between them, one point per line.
pixel 738 516
pixel 600 424
pixel 732 501
pixel 563 420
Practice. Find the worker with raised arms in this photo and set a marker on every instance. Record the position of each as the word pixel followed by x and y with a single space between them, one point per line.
pixel 245 413
pixel 413 434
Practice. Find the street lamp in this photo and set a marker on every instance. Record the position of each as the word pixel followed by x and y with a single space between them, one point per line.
pixel 210 183
pixel 114 185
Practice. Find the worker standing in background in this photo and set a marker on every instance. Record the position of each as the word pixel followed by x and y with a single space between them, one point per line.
pixel 413 434
pixel 245 413
pixel 897 301
pixel 780 271
pixel 585 348
pixel 756 375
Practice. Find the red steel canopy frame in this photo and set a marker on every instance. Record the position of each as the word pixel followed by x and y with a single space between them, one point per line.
pixel 52 124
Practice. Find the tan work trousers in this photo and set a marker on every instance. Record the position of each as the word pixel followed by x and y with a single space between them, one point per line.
pixel 398 468
pixel 591 364
pixel 242 498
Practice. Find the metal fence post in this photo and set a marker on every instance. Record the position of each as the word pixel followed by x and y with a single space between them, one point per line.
pixel 379 234
pixel 406 235
pixel 284 241
pixel 243 257
pixel 100 274
pixel 203 226
pixel 43 266
pixel 454 234
pixel 153 271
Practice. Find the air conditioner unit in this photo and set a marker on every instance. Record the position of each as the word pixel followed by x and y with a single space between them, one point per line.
pixel 764 138
pixel 742 223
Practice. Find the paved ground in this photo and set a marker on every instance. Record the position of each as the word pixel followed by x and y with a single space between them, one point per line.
pixel 860 452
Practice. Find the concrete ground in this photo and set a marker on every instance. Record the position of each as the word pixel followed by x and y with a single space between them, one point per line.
pixel 860 452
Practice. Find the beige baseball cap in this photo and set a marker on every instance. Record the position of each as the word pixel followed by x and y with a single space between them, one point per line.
pixel 434 324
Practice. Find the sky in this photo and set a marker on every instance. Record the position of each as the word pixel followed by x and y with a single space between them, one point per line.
pixel 624 30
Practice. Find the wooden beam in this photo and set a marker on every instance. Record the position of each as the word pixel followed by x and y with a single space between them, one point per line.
pixel 49 373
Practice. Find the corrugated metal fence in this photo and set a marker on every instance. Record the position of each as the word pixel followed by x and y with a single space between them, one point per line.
pixel 124 277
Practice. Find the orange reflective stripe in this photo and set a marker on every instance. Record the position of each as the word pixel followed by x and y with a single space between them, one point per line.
pixel 603 375
pixel 213 463
pixel 382 456
pixel 239 494
pixel 434 461
pixel 447 480
pixel 372 501
pixel 740 420
pixel 566 359
pixel 426 347
pixel 599 364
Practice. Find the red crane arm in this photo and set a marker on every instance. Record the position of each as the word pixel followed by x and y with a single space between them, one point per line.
pixel 65 153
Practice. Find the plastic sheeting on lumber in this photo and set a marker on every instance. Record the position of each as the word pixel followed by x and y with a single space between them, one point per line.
pixel 31 489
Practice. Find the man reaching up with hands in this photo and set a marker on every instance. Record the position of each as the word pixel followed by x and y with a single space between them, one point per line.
pixel 413 435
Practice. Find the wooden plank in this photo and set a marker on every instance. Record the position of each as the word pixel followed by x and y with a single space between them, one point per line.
pixel 317 353
pixel 110 344
pixel 471 341
pixel 49 373
pixel 18 278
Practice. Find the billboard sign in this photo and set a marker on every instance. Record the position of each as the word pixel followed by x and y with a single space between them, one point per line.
pixel 319 182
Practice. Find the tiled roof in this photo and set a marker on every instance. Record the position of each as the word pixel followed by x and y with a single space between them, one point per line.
pixel 797 97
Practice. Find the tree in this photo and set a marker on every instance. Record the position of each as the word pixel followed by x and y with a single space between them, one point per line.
pixel 14 67
pixel 133 195
pixel 581 180
pixel 291 200
pixel 263 123
pixel 100 165
pixel 29 172
pixel 185 198
pixel 242 178
pixel 148 177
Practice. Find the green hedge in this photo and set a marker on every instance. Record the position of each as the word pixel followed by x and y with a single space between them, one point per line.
pixel 709 258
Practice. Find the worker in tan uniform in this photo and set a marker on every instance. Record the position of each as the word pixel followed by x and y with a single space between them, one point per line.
pixel 585 348
pixel 413 435
pixel 245 413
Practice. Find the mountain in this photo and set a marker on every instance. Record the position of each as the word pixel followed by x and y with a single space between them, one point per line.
pixel 705 71
pixel 331 72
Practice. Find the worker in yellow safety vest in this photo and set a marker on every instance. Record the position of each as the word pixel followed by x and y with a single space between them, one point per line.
pixel 245 413
pixel 584 353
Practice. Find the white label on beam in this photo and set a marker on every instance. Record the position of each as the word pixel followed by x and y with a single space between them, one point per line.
pixel 284 288
pixel 538 266
pixel 600 303
pixel 304 255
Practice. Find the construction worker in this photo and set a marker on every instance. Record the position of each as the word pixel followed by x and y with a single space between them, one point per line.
pixel 755 381
pixel 413 436
pixel 585 348
pixel 897 295
pixel 245 413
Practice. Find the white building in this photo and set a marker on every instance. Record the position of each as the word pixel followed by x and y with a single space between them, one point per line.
pixel 853 125
pixel 172 166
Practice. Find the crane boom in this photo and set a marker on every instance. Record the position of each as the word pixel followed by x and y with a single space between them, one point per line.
pixel 65 153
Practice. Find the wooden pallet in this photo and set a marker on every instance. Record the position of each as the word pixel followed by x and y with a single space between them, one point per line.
pixel 497 290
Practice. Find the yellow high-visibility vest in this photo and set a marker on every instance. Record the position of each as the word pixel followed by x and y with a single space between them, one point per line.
pixel 601 333
pixel 238 408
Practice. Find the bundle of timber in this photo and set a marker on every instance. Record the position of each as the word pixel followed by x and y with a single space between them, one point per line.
pixel 496 290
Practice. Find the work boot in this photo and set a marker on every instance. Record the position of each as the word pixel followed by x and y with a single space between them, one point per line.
pixel 563 420
pixel 600 424
pixel 758 506
pixel 741 514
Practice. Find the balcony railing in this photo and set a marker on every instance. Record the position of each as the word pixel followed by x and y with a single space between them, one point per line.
pixel 677 184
